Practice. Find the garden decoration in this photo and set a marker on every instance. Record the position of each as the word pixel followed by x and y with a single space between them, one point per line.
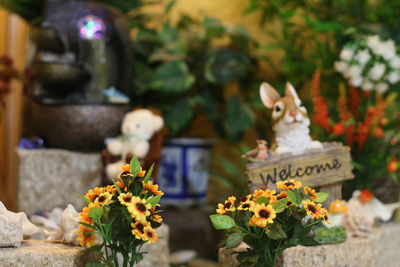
pixel 293 154
pixel 125 215
pixel 289 120
pixel 337 209
pixel 259 153
pixel 137 128
pixel 270 221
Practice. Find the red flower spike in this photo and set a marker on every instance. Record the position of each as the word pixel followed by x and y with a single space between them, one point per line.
pixel 366 196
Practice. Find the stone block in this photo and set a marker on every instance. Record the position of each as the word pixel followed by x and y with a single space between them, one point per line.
pixel 379 248
pixel 47 253
pixel 50 178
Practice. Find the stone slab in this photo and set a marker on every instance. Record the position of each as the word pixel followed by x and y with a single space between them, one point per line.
pixel 50 178
pixel 380 248
pixel 47 253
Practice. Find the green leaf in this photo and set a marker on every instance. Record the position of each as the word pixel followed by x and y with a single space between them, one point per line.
pixel 179 116
pixel 95 213
pixel 88 225
pixel 85 199
pixel 226 65
pixel 322 196
pixel 148 173
pixel 280 205
pixel 94 264
pixel 262 200
pixel 172 77
pixel 239 118
pixel 294 197
pixel 276 232
pixel 135 166
pixel 153 200
pixel 234 240
pixel 222 221
pixel 169 34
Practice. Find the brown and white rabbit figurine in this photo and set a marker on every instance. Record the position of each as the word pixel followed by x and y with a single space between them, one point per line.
pixel 289 120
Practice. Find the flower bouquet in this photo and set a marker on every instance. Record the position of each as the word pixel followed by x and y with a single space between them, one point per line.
pixel 124 215
pixel 269 221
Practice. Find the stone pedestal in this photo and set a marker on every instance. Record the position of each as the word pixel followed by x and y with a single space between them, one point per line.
pixel 50 178
pixel 46 253
pixel 380 248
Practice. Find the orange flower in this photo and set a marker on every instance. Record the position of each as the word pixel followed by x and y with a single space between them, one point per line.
pixel 366 196
pixel 378 132
pixel 111 189
pixel 245 202
pixel 86 236
pixel 92 194
pixel 138 229
pixel 227 206
pixel 139 209
pixel 84 215
pixel 311 192
pixel 265 193
pixel 338 129
pixel 393 165
pixel 156 218
pixel 325 215
pixel 150 235
pixel 103 199
pixel 125 199
pixel 288 185
pixel 141 173
pixel 152 187
pixel 314 210
pixel 283 195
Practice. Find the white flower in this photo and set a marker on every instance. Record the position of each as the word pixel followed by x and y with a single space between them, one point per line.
pixel 381 87
pixel 377 71
pixel 352 72
pixel 346 54
pixel 363 56
pixel 373 42
pixel 341 66
pixel 356 81
pixel 386 49
pixel 393 77
pixel 395 62
pixel 367 85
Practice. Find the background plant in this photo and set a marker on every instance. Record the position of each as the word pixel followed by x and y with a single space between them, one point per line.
pixel 124 215
pixel 269 222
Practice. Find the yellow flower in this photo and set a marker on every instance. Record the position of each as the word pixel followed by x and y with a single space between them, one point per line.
pixel 152 187
pixel 125 199
pixel 245 202
pixel 86 236
pixel 138 229
pixel 103 199
pixel 111 189
pixel 288 185
pixel 150 235
pixel 125 170
pixel 265 193
pixel 312 209
pixel 155 209
pixel 227 206
pixel 92 194
pixel 325 215
pixel 311 192
pixel 139 209
pixel 84 215
pixel 156 218
pixel 263 215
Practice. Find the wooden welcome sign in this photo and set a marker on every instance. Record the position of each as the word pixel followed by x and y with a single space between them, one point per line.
pixel 325 168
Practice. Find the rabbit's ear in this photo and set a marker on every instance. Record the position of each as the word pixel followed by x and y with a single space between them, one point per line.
pixel 290 91
pixel 268 95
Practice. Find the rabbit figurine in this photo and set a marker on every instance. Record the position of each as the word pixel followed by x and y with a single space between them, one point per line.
pixel 289 120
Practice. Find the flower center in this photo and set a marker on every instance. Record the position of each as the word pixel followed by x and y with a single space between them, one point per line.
pixel 311 208
pixel 149 234
pixel 125 173
pixel 228 205
pixel 281 197
pixel 101 199
pixel 140 227
pixel 289 184
pixel 264 214
pixel 243 198
pixel 245 206
pixel 141 207
pixel 128 199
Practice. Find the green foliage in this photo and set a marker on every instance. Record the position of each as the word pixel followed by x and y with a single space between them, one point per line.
pixel 222 221
pixel 324 235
